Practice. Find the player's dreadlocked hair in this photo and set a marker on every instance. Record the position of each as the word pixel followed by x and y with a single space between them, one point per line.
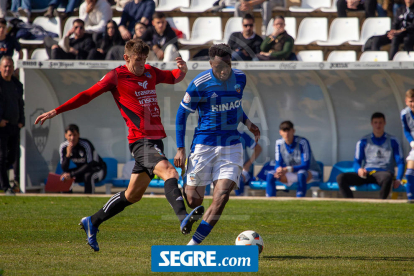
pixel 136 46
pixel 220 50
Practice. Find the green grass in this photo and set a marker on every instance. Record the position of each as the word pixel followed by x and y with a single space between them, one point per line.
pixel 40 236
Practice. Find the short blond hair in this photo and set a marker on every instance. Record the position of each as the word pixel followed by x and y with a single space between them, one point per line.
pixel 136 47
pixel 409 93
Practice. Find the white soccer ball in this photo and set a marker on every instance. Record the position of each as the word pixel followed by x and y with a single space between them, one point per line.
pixel 250 238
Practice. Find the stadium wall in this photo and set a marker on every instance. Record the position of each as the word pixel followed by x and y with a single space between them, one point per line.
pixel 329 103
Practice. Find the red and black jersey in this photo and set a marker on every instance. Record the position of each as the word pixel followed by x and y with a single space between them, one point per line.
pixel 135 97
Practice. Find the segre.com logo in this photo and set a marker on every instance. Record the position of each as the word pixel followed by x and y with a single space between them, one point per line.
pixel 204 258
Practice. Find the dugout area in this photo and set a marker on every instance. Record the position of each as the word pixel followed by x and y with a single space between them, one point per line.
pixel 329 103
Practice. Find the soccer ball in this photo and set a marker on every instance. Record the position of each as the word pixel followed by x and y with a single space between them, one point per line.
pixel 250 238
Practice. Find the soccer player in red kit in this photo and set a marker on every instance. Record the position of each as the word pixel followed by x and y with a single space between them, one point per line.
pixel 133 88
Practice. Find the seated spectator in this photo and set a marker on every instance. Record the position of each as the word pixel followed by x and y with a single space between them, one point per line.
pixel 76 47
pixel 246 6
pixel 370 6
pixel 27 6
pixel 159 36
pixel 8 44
pixel 120 4
pixel 70 7
pixel 278 45
pixel 117 52
pixel 111 38
pixel 140 29
pixel 3 8
pixel 135 11
pixel 95 14
pixel 294 162
pixel 402 31
pixel 90 168
pixel 245 44
pixel 375 157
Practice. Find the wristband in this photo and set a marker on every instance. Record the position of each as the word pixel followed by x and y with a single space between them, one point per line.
pixel 289 169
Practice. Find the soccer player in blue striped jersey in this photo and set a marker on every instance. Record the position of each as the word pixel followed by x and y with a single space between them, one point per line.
pixel 407 118
pixel 376 155
pixel 216 152
pixel 294 162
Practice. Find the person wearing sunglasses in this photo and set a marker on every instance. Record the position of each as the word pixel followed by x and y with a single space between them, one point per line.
pixel 245 44
pixel 75 45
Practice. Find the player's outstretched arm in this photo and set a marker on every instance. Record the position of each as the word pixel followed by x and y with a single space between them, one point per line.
pixel 182 65
pixel 45 116
pixel 173 76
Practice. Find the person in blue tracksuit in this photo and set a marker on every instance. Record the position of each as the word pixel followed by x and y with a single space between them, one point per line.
pixel 376 155
pixel 294 162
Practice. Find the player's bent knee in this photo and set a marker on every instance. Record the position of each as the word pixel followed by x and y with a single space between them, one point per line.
pixel 194 202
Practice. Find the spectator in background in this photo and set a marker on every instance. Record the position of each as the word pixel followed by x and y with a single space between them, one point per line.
pixel 135 11
pixel 278 45
pixel 111 38
pixel 11 119
pixel 117 52
pixel 375 157
pixel 294 162
pixel 70 7
pixel 90 168
pixel 3 8
pixel 246 44
pixel 95 14
pixel 246 6
pixel 27 6
pixel 140 29
pixel 370 7
pixel 8 44
pixel 402 31
pixel 159 36
pixel 76 47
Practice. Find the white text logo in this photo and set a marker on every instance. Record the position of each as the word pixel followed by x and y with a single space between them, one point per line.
pixel 226 106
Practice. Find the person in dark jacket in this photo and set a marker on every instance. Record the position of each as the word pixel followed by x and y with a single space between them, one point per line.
pixel 160 35
pixel 76 47
pixel 111 38
pixel 402 31
pixel 135 11
pixel 11 119
pixel 245 44
pixel 278 45
pixel 90 167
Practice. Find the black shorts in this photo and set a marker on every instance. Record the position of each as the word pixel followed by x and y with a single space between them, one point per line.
pixel 147 153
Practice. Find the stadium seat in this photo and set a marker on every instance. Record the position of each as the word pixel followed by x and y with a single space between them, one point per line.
pixel 199 6
pixel 374 56
pixel 342 30
pixel 117 20
pixel 234 24
pixel 185 54
pixel 180 23
pixel 312 29
pixel 290 27
pixel 404 56
pixel 52 25
pixel 170 5
pixel 373 26
pixel 332 8
pixel 22 18
pixel 310 5
pixel 310 56
pixel 337 169
pixel 39 54
pixel 342 56
pixel 16 56
pixel 205 29
pixel 69 24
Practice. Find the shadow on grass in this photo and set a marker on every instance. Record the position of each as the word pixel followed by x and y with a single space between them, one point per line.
pixel 355 258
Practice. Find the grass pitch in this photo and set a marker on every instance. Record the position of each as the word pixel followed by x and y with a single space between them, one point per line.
pixel 40 236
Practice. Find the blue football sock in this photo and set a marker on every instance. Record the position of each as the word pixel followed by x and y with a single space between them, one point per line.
pixel 271 185
pixel 409 174
pixel 202 232
pixel 301 192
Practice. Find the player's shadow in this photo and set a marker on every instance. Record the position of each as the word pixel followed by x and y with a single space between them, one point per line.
pixel 355 258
